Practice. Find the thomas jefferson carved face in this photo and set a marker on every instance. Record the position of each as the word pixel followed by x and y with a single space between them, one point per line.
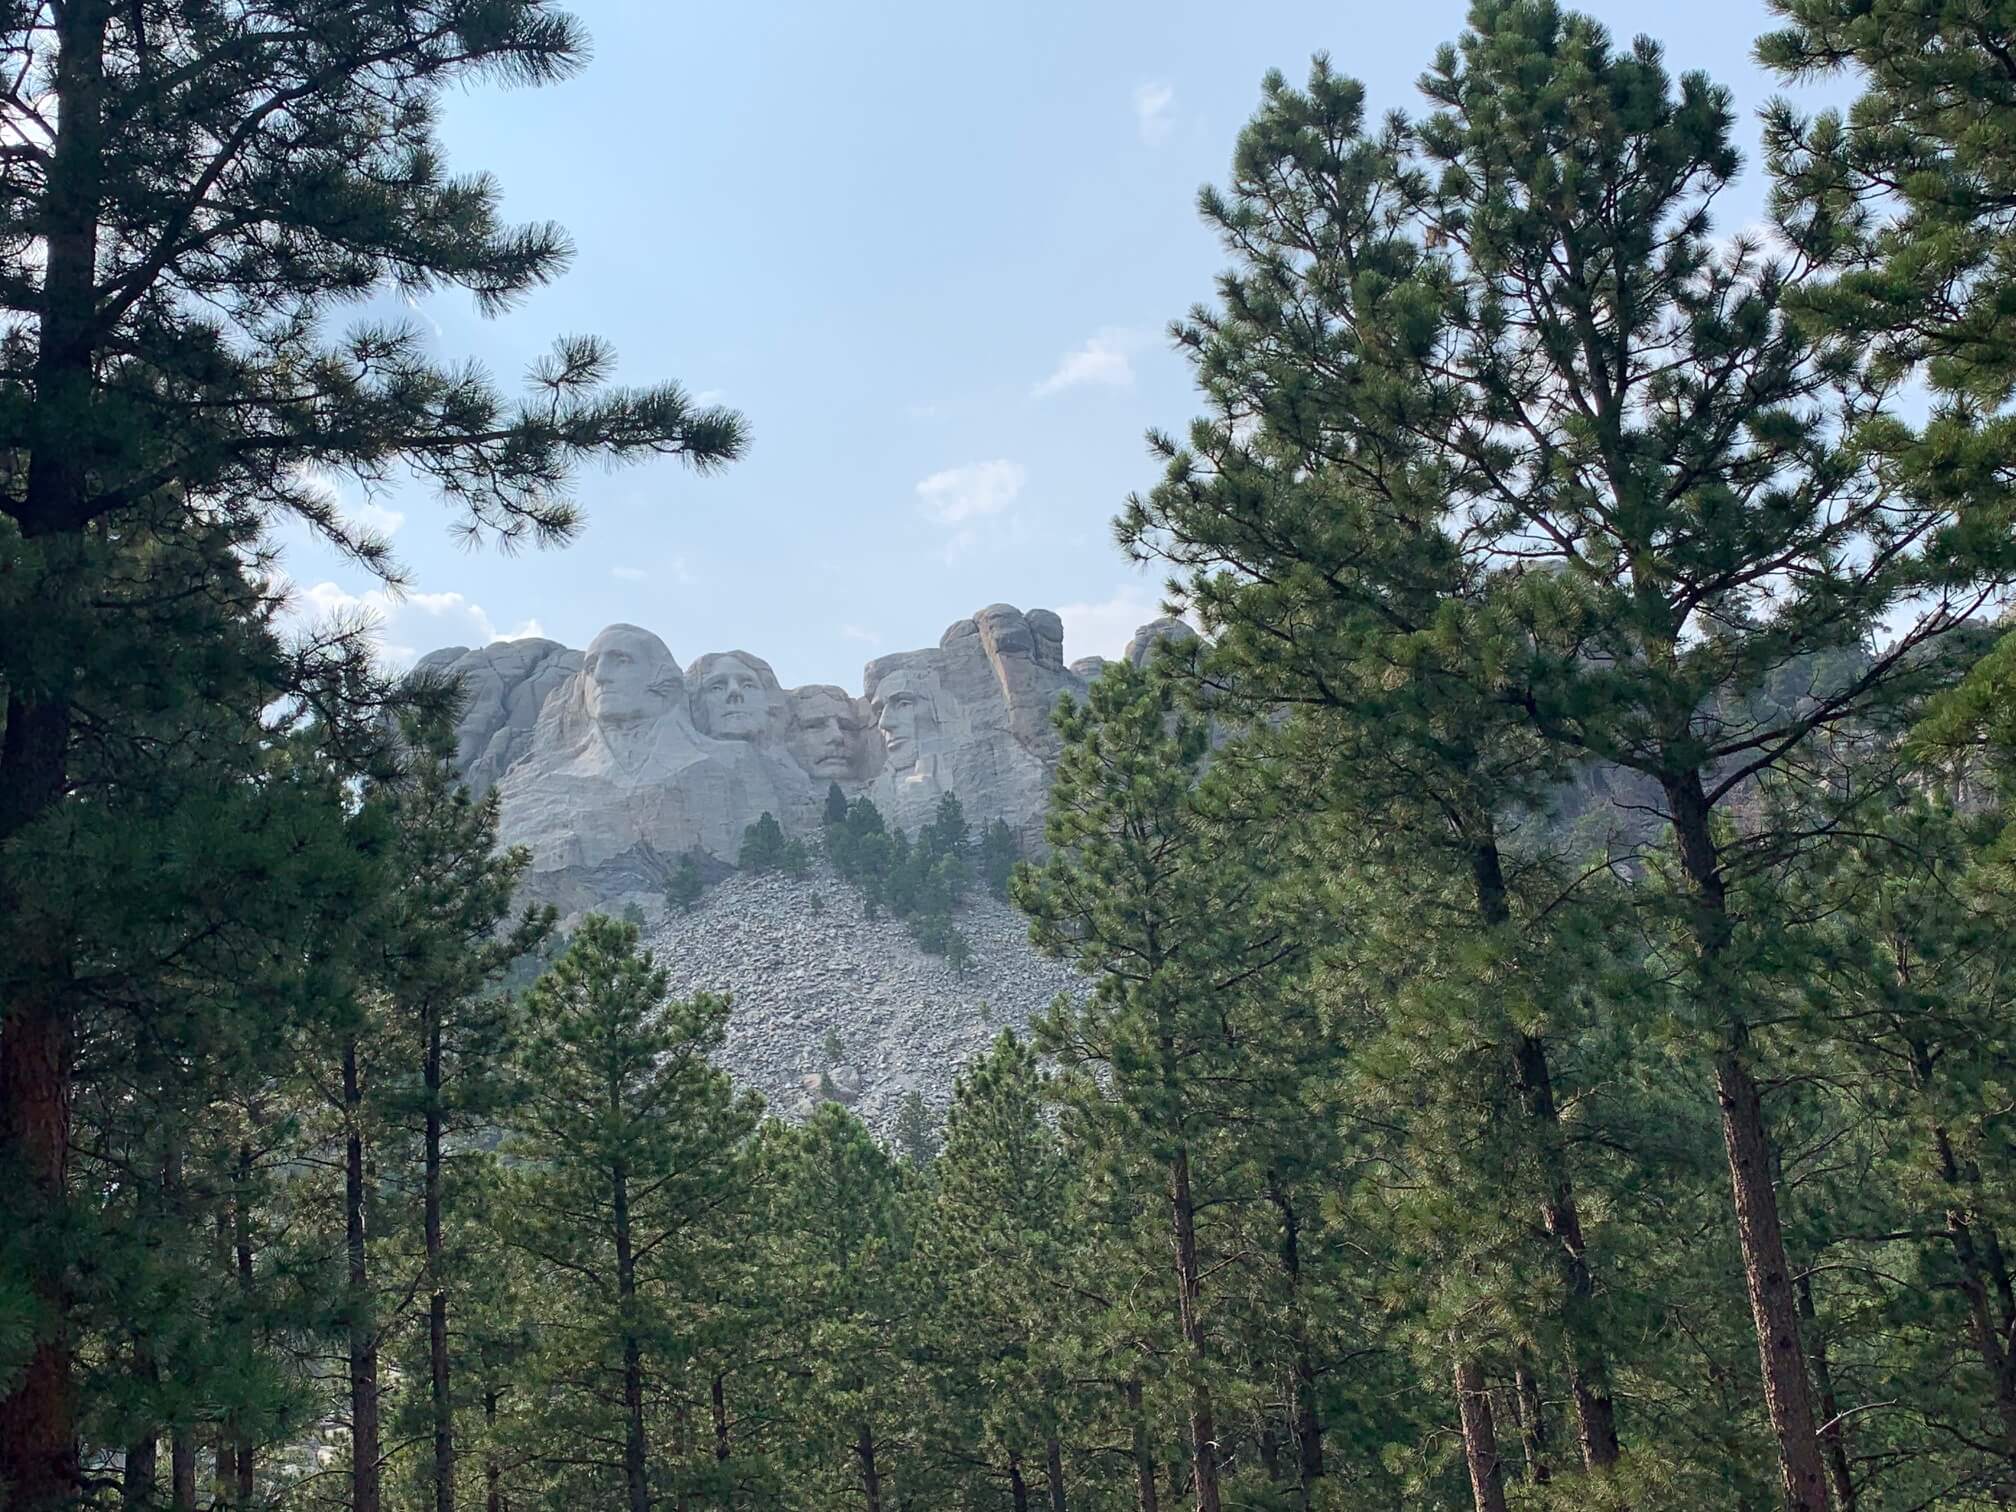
pixel 628 676
pixel 732 700
pixel 906 715
pixel 825 732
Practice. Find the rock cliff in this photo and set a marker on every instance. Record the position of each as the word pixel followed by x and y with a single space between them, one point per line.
pixel 614 761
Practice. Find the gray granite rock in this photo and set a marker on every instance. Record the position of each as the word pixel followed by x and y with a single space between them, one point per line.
pixel 613 762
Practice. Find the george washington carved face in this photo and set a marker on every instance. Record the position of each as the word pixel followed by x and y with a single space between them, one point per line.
pixel 629 676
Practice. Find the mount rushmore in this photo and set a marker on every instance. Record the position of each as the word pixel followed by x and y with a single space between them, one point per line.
pixel 612 762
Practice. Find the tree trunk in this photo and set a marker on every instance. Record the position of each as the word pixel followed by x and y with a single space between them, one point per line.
pixel 39 1464
pixel 1833 1432
pixel 1480 1436
pixel 1189 1298
pixel 437 1300
pixel 493 1472
pixel 871 1477
pixel 1144 1457
pixel 1774 1307
pixel 1588 1369
pixel 139 1478
pixel 241 1239
pixel 633 1353
pixel 1308 1427
pixel 1532 1423
pixel 1018 1489
pixel 1053 1473
pixel 182 1470
pixel 1976 1277
pixel 365 1448
pixel 720 1395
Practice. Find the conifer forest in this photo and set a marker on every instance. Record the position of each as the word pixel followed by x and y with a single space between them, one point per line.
pixel 1544 1042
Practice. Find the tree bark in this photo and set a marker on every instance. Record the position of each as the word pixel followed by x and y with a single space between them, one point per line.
pixel 1308 1426
pixel 871 1476
pixel 365 1448
pixel 1018 1489
pixel 1480 1436
pixel 241 1238
pixel 1189 1302
pixel 720 1396
pixel 1144 1457
pixel 139 1478
pixel 1774 1307
pixel 39 1464
pixel 1976 1275
pixel 493 1472
pixel 437 1300
pixel 634 1476
pixel 1532 1423
pixel 1588 1369
pixel 1053 1473
pixel 1833 1432
pixel 182 1470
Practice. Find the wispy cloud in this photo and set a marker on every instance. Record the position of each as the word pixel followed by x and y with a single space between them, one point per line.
pixel 857 633
pixel 960 494
pixel 396 621
pixel 1102 360
pixel 1155 111
pixel 961 497
pixel 676 569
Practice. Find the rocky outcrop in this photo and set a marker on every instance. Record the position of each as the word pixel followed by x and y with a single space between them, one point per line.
pixel 802 963
pixel 612 762
pixel 505 685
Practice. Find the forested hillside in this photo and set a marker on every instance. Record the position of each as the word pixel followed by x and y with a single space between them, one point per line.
pixel 1544 1039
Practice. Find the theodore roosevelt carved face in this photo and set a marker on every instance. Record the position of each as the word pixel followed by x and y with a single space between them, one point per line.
pixel 825 732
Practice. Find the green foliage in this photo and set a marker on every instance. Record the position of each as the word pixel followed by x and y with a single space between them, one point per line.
pixel 916 1136
pixel 999 851
pixel 763 845
pixel 683 891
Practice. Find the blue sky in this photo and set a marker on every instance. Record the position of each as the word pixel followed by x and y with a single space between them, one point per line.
pixel 930 251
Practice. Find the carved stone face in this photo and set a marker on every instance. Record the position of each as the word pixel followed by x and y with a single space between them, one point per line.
pixel 905 714
pixel 628 675
pixel 825 733
pixel 731 702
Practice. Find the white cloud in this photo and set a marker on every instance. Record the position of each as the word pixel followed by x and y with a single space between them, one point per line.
pixel 962 497
pixel 1154 106
pixel 676 569
pixel 960 494
pixel 866 637
pixel 395 620
pixel 1105 627
pixel 1102 360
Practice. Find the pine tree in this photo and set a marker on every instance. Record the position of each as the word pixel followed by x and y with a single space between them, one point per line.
pixel 836 805
pixel 628 1143
pixel 443 949
pixel 1514 304
pixel 763 845
pixel 1187 952
pixel 202 187
pixel 837 1268
pixel 683 892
